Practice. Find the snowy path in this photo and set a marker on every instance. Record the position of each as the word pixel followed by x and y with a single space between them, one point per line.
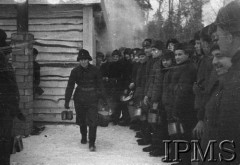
pixel 60 145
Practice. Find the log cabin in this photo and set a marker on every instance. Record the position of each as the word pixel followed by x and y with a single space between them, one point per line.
pixel 60 28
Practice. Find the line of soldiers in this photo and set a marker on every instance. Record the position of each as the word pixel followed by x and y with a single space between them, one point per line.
pixel 193 87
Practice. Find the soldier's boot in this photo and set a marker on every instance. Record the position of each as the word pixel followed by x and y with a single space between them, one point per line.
pixel 92 138
pixel 83 130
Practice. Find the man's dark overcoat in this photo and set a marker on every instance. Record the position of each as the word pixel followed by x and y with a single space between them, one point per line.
pixel 222 111
pixel 89 89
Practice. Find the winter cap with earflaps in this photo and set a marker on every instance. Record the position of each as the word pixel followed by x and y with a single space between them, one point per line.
pixel 147 43
pixel 84 55
pixel 158 44
pixel 116 52
pixel 141 52
pixel 168 54
pixel 228 17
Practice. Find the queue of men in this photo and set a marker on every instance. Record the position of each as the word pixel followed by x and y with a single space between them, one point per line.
pixel 193 87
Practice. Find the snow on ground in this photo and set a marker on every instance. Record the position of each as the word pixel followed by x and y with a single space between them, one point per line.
pixel 60 145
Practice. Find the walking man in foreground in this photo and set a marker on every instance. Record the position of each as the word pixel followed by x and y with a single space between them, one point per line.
pixel 89 88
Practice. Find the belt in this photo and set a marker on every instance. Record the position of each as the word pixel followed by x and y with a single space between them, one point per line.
pixel 87 89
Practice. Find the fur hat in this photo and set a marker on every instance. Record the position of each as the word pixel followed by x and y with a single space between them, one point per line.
pixel 228 17
pixel 84 55
pixel 116 52
pixel 127 51
pixel 141 52
pixel 147 43
pixel 100 55
pixel 168 54
pixel 158 44
pixel 172 40
pixel 186 47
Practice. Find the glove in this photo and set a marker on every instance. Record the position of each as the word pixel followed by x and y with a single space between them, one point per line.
pixel 66 105
pixel 21 117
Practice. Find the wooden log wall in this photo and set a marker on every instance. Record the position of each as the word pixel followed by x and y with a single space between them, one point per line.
pixel 58 33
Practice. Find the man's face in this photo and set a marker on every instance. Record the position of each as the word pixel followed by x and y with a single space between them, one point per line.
pixel 127 57
pixel 156 52
pixel 136 59
pixel 84 63
pixel 180 56
pixel 115 58
pixel 170 46
pixel 198 46
pixel 205 47
pixel 221 63
pixel 148 51
pixel 142 58
pixel 166 63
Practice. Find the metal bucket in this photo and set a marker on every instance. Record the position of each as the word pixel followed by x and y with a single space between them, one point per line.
pixel 69 115
pixel 138 112
pixel 64 115
pixel 175 128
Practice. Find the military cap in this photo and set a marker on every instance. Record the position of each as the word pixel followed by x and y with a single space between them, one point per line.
pixel 158 44
pixel 116 52
pixel 168 54
pixel 84 55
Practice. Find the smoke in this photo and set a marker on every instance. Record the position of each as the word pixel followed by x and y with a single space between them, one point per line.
pixel 125 24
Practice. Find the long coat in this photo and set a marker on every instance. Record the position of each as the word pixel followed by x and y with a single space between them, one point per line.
pixel 183 77
pixel 149 73
pixel 204 70
pixel 127 67
pixel 9 93
pixel 9 108
pixel 166 95
pixel 141 79
pixel 222 110
pixel 89 89
pixel 154 79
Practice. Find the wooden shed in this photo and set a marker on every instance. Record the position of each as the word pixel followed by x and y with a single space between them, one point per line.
pixel 60 28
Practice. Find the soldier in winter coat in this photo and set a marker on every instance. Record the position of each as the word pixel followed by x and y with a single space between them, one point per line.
pixel 222 110
pixel 9 101
pixel 182 104
pixel 160 91
pixel 115 83
pixel 89 88
pixel 204 69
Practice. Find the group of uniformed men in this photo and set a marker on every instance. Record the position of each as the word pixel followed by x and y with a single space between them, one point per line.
pixel 191 86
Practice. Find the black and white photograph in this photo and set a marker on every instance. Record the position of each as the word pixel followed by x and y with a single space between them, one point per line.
pixel 119 82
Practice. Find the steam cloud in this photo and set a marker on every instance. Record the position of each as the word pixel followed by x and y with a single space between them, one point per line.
pixel 125 24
